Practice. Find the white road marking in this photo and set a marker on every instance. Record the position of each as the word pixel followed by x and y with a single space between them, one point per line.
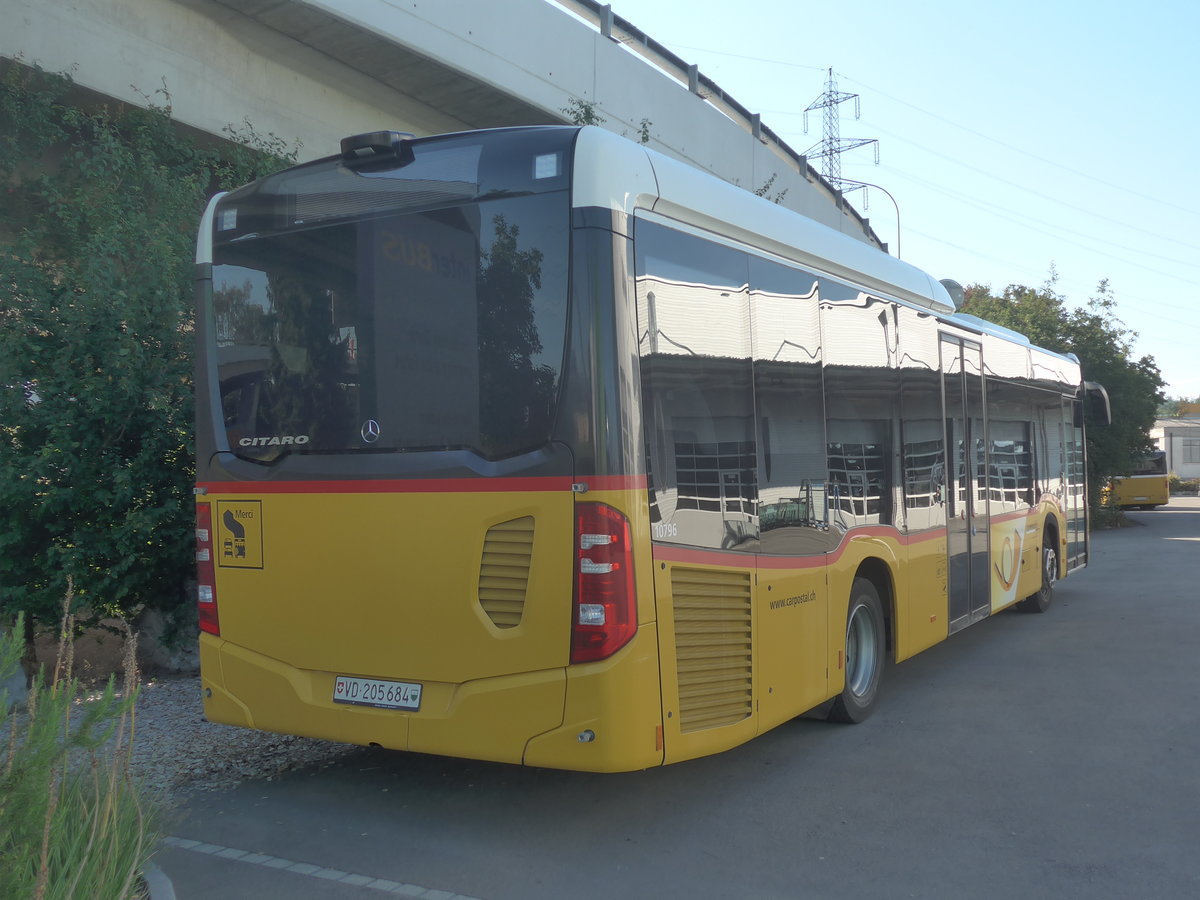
pixel 274 862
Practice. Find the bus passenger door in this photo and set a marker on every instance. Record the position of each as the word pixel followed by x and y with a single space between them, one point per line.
pixel 966 452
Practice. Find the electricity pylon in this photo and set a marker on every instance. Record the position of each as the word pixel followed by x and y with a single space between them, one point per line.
pixel 831 146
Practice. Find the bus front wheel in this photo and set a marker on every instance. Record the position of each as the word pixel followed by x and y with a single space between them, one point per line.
pixel 1040 602
pixel 866 650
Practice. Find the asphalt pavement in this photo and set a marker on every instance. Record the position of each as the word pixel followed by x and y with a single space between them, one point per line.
pixel 1051 756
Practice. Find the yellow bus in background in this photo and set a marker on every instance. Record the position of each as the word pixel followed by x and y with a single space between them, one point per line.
pixel 1147 486
pixel 533 445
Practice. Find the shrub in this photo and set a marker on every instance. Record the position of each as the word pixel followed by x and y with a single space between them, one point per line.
pixel 97 223
pixel 1183 485
pixel 1107 514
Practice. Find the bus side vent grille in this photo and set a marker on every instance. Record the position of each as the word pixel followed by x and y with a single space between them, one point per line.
pixel 712 647
pixel 504 572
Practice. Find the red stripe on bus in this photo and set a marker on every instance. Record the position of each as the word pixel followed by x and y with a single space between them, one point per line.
pixel 1011 517
pixel 482 484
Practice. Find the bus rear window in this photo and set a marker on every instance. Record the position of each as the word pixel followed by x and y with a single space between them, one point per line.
pixel 1151 464
pixel 422 330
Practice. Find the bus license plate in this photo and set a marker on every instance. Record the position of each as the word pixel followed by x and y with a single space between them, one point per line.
pixel 373 692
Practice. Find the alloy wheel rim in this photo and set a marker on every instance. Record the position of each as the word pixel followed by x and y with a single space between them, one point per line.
pixel 861 651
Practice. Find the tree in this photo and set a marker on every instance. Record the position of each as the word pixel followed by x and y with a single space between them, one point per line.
pixel 1104 346
pixel 584 112
pixel 99 209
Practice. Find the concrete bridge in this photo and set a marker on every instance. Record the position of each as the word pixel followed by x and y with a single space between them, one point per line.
pixel 314 71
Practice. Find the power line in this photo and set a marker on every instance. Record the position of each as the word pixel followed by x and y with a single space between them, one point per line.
pixel 1039 194
pixel 933 115
pixel 1070 283
pixel 761 59
pixel 1058 231
pixel 1021 150
pixel 825 150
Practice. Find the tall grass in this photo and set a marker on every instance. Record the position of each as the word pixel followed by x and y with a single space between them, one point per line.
pixel 73 823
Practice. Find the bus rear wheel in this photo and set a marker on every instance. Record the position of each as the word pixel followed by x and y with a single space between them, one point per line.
pixel 866 650
pixel 1040 602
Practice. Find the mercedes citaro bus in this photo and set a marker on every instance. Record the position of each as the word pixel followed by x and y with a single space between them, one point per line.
pixel 534 445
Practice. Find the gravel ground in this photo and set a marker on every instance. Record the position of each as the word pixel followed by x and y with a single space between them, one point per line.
pixel 177 751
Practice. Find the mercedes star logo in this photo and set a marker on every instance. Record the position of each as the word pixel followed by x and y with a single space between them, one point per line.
pixel 370 431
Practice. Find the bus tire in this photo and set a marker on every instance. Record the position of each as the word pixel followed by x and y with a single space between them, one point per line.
pixel 1040 602
pixel 866 651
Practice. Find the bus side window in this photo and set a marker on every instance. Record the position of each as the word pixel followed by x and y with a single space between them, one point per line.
pixel 789 406
pixel 862 405
pixel 694 329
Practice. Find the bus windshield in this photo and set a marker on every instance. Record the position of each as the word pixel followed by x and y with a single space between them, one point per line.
pixel 418 308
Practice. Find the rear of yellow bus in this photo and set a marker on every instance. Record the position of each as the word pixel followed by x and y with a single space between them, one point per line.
pixel 1148 486
pixel 416 527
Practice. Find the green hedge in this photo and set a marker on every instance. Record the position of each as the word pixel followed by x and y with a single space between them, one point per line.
pixel 98 215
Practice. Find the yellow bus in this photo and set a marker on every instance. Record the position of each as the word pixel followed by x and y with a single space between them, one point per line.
pixel 533 445
pixel 1146 487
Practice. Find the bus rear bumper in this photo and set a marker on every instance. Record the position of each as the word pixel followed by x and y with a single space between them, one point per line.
pixel 597 717
pixel 491 718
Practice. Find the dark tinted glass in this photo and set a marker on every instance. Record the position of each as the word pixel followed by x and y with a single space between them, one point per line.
pixel 426 330
pixel 1154 464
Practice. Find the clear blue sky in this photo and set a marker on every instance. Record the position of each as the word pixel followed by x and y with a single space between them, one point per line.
pixel 1014 137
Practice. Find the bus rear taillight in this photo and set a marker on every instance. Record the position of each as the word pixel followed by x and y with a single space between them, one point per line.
pixel 206 572
pixel 605 613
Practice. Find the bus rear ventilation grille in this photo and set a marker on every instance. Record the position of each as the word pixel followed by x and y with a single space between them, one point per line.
pixel 712 647
pixel 504 571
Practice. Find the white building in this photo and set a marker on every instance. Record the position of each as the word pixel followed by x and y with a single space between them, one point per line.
pixel 1179 437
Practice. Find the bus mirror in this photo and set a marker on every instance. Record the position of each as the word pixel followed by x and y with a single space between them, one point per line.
pixel 1098 397
pixel 955 290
